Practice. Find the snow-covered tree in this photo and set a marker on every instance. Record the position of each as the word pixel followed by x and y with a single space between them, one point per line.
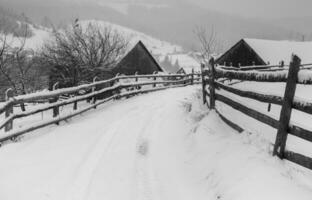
pixel 80 50
pixel 177 65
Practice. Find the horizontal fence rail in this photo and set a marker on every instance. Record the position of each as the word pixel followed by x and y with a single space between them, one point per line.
pixel 299 104
pixel 294 74
pixel 305 76
pixel 95 94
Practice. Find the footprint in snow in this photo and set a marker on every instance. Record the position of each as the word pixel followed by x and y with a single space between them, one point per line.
pixel 143 148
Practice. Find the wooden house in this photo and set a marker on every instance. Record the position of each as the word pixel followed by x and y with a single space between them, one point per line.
pixel 248 52
pixel 139 60
pixel 181 71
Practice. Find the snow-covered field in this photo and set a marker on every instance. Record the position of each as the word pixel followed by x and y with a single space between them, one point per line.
pixel 163 145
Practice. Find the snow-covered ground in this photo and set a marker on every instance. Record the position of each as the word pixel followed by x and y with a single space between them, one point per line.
pixel 163 145
pixel 298 118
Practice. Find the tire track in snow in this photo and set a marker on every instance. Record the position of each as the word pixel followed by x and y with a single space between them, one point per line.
pixel 144 171
pixel 79 189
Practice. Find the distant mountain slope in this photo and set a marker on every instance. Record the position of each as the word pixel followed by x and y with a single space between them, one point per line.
pixel 13 23
pixel 41 34
pixel 159 49
pixel 156 46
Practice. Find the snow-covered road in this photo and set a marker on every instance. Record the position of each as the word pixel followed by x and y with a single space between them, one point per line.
pixel 124 150
pixel 160 146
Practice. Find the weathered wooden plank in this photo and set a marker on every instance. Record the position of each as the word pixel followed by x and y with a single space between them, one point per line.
pixel 230 123
pixel 56 104
pixel 154 75
pixel 300 132
pixel 248 111
pixel 300 105
pixel 248 68
pixel 252 75
pixel 253 95
pixel 298 159
pixel 292 129
pixel 282 133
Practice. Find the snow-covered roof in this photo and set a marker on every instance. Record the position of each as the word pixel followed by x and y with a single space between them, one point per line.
pixel 273 51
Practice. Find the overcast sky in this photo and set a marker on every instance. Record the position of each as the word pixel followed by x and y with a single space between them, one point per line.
pixel 261 8
pixel 254 8
pixel 247 8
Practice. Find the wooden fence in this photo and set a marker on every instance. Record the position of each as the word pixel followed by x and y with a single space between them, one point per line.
pixel 95 94
pixel 211 76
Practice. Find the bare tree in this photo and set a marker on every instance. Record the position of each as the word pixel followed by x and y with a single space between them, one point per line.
pixel 79 50
pixel 16 63
pixel 208 43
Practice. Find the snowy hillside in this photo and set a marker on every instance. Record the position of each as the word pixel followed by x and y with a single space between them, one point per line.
pixel 123 6
pixel 159 49
pixel 156 46
pixel 35 42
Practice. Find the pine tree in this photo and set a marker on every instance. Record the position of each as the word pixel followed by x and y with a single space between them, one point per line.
pixel 166 63
pixel 176 65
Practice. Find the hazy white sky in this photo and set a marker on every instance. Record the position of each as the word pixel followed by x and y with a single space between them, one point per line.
pixel 248 8
pixel 255 8
pixel 260 8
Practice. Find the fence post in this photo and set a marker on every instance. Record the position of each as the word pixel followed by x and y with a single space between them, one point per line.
pixel 9 94
pixel 136 80
pixel 155 78
pixel 117 91
pixel 117 79
pixel 281 137
pixel 212 84
pixel 93 90
pixel 202 67
pixel 23 108
pixel 56 110
pixel 192 76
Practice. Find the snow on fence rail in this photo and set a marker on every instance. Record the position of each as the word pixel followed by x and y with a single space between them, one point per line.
pixel 304 76
pixel 96 94
pixel 292 77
